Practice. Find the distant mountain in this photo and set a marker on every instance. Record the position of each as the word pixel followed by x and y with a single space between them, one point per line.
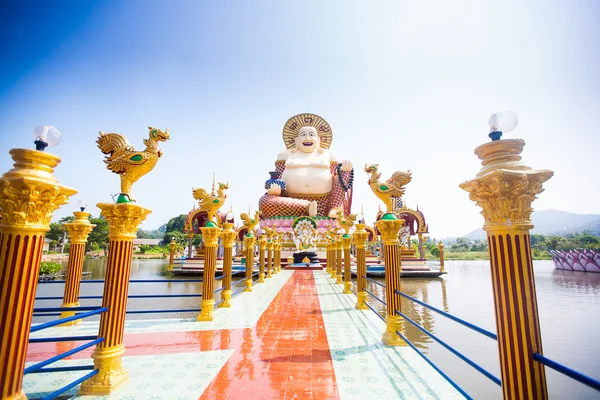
pixel 555 222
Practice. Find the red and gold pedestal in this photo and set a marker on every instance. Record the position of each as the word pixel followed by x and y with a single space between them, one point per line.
pixel 29 195
pixel 505 188
pixel 227 238
pixel 389 226
pixel 249 241
pixel 262 245
pixel 78 232
pixel 360 238
pixel 172 247
pixel 123 222
pixel 346 243
pixel 338 260
pixel 210 233
pixel 440 247
pixel 270 258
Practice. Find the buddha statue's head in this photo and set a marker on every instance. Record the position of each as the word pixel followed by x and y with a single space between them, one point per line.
pixel 308 140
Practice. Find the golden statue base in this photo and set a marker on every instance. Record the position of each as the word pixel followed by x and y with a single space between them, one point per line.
pixel 207 310
pixel 361 299
pixel 338 279
pixel 390 337
pixel 347 287
pixel 269 273
pixel 261 277
pixel 226 296
pixel 112 375
pixel 248 287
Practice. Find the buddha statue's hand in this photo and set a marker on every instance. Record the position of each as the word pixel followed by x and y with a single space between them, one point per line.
pixel 346 166
pixel 274 190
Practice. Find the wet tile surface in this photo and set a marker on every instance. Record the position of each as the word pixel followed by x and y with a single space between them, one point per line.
pixel 295 337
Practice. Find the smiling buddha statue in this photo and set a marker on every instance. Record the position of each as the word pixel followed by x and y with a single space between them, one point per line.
pixel 309 180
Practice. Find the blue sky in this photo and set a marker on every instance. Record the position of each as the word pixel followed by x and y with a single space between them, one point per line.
pixel 408 85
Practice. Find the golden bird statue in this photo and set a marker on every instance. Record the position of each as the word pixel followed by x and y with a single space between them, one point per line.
pixel 130 164
pixel 210 202
pixel 345 222
pixel 392 189
pixel 249 222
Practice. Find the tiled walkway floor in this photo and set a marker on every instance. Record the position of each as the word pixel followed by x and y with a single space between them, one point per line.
pixel 294 337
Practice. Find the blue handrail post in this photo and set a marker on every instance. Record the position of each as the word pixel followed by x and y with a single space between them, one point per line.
pixel 210 233
pixel 30 195
pixel 123 221
pixel 227 237
pixel 505 188
pixel 389 225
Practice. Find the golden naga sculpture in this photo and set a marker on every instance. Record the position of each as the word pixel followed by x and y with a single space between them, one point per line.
pixel 392 189
pixel 345 222
pixel 130 164
pixel 211 202
pixel 249 222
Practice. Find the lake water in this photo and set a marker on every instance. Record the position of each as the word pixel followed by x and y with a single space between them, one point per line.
pixel 569 307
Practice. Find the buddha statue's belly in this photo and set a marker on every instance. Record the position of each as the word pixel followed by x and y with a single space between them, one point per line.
pixel 307 180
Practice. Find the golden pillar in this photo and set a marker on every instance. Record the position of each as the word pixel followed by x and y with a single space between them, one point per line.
pixel 328 252
pixel 333 257
pixel 276 253
pixel 123 221
pixel 249 241
pixel 262 244
pixel 172 247
pixel 346 243
pixel 504 188
pixel 360 238
pixel 440 247
pixel 29 195
pixel 210 234
pixel 78 231
pixel 270 258
pixel 338 259
pixel 389 226
pixel 227 237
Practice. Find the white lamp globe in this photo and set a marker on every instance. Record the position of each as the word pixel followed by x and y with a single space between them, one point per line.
pixel 82 204
pixel 46 136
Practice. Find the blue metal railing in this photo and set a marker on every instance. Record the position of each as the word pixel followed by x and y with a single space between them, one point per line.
pixel 51 360
pixel 98 310
pixel 71 385
pixel 579 377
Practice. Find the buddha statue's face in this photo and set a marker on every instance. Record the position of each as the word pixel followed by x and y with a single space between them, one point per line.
pixel 307 139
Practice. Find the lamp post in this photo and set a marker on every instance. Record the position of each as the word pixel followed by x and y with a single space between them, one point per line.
pixel 346 243
pixel 249 242
pixel 262 244
pixel 29 195
pixel 172 247
pixel 360 238
pixel 78 231
pixel 440 247
pixel 210 233
pixel 505 188
pixel 228 237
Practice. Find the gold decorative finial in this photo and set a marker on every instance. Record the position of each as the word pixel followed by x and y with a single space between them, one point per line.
pixel 249 222
pixel 392 189
pixel 345 222
pixel 130 164
pixel 211 202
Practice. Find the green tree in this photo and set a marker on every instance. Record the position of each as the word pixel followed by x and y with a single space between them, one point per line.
pixel 56 234
pixel 435 252
pixel 176 223
pixel 98 238
pixel 144 248
pixel 588 241
pixel 553 241
pixel 462 244
pixel 180 238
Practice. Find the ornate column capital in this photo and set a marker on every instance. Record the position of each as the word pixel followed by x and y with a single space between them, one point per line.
pixel 123 219
pixel 262 242
pixel 346 241
pixel 80 228
pixel 30 193
pixel 505 188
pixel 249 241
pixel 440 246
pixel 210 235
pixel 389 227
pixel 360 236
pixel 228 234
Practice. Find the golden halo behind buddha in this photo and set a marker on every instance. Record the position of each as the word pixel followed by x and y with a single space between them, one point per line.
pixel 293 125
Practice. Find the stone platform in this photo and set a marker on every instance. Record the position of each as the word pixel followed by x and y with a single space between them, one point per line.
pixel 294 337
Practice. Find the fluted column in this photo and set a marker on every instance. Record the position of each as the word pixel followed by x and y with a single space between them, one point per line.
pixel 440 247
pixel 389 226
pixel 333 257
pixel 228 237
pixel 328 252
pixel 210 234
pixel 270 258
pixel 505 188
pixel 249 241
pixel 360 238
pixel 172 247
pixel 262 245
pixel 276 254
pixel 338 259
pixel 123 222
pixel 346 243
pixel 78 232
pixel 29 195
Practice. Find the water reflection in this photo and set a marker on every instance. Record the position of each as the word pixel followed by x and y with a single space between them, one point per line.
pixel 576 280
